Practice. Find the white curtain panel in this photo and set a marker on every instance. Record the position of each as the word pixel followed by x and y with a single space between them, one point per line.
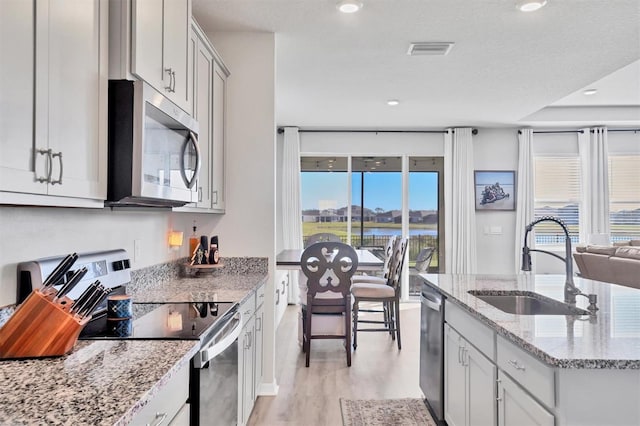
pixel 291 209
pixel 460 214
pixel 525 195
pixel 594 163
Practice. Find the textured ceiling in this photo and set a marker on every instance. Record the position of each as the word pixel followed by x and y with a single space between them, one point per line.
pixel 507 68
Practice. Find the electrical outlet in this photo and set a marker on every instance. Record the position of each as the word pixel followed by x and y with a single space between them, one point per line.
pixel 137 250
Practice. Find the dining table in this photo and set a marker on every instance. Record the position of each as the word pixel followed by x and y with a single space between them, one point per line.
pixel 290 259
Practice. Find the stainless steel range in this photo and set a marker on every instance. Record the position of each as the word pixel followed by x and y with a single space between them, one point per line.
pixel 213 387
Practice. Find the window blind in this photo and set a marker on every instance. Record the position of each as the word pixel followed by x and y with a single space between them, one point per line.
pixel 556 193
pixel 624 196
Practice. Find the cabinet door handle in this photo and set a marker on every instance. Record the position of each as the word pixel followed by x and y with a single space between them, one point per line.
pixel 258 324
pixel 277 297
pixel 169 88
pixel 465 357
pixel 514 364
pixel 48 167
pixel 215 196
pixel 283 286
pixel 160 418
pixel 173 77
pixel 459 354
pixel 59 181
pixel 199 194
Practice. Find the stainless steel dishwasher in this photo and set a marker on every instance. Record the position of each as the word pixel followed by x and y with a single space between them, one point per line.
pixel 432 350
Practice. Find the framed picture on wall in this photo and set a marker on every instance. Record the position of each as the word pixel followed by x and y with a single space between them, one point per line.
pixel 495 189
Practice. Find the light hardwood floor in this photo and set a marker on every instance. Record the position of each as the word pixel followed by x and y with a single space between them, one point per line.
pixel 310 396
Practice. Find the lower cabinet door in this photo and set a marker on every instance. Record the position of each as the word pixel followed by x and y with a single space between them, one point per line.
pixel 516 407
pixel 455 398
pixel 481 379
pixel 167 403
pixel 182 418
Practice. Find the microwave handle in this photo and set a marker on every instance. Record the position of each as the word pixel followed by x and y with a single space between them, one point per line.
pixel 191 138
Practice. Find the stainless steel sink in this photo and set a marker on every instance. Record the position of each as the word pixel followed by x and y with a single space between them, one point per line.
pixel 526 303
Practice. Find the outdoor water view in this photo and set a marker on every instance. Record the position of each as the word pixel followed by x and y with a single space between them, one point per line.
pixel 376 202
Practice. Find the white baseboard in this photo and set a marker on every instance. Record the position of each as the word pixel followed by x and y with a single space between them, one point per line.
pixel 268 389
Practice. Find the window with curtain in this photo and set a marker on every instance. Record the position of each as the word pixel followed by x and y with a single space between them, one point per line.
pixel 556 193
pixel 624 196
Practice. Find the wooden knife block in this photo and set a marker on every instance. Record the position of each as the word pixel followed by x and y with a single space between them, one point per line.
pixel 40 328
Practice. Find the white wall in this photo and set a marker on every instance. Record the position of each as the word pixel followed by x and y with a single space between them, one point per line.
pixel 426 144
pixel 28 233
pixel 496 149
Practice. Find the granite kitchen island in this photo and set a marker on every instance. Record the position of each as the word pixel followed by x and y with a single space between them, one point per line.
pixel 541 369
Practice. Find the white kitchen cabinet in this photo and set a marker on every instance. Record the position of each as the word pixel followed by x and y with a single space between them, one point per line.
pixel 209 94
pixel 470 397
pixel 258 341
pixel 168 406
pixel 54 127
pixel 203 110
pixel 281 294
pixel 517 407
pixel 248 365
pixel 250 353
pixel 220 74
pixel 246 393
pixel 159 47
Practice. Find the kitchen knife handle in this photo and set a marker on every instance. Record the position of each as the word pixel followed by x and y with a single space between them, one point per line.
pixel 75 279
pixel 60 270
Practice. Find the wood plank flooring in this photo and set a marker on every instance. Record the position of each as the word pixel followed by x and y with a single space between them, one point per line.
pixel 310 396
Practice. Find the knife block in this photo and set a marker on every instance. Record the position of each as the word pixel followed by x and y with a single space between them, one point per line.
pixel 40 328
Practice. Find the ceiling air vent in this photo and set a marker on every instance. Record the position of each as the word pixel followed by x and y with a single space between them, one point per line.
pixel 430 48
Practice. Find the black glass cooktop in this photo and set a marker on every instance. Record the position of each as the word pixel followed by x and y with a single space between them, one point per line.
pixel 167 321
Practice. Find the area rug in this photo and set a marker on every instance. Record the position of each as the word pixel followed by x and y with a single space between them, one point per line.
pixel 385 412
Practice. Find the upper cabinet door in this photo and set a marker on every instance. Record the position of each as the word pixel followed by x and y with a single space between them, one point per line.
pixel 159 47
pixel 147 18
pixel 218 140
pixel 20 162
pixel 77 97
pixel 202 113
pixel 177 22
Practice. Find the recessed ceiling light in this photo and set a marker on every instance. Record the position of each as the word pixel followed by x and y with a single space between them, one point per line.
pixel 590 92
pixel 393 102
pixel 349 6
pixel 531 5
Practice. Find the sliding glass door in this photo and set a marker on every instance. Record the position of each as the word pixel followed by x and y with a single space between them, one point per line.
pixel 365 200
pixel 376 188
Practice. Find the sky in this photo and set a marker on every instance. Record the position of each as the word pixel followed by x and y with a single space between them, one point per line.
pixel 382 190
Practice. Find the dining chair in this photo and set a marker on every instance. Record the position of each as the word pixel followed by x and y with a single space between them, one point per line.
pixel 386 266
pixel 321 237
pixel 388 294
pixel 328 267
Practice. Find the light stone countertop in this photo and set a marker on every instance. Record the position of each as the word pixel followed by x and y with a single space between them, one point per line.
pixel 107 382
pixel 608 340
pixel 99 383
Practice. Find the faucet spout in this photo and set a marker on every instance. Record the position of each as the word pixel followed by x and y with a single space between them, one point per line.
pixel 570 289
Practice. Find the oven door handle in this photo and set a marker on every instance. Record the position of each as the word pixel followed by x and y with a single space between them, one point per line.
pixel 216 349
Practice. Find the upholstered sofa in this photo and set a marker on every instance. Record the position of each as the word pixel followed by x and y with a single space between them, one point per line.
pixel 613 264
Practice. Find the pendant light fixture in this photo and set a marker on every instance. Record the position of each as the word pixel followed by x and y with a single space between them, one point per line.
pixel 349 6
pixel 531 5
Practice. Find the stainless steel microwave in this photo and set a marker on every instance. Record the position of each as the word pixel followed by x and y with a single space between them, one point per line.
pixel 154 158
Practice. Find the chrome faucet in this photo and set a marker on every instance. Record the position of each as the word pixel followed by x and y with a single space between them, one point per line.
pixel 570 289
